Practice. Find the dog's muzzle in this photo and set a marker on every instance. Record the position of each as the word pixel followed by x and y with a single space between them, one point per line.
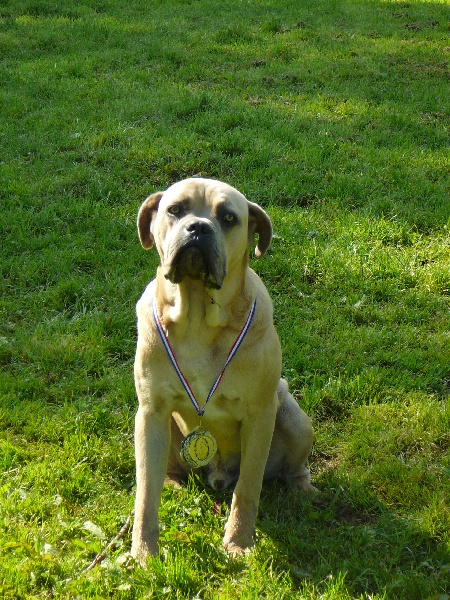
pixel 195 253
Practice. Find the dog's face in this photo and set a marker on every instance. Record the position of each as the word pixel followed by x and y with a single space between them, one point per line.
pixel 202 230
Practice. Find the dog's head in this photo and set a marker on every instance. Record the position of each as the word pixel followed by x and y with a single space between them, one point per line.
pixel 202 229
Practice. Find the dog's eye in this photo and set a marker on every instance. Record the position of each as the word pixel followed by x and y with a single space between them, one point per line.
pixel 229 218
pixel 174 210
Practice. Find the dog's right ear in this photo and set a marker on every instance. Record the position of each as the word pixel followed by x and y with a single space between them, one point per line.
pixel 145 217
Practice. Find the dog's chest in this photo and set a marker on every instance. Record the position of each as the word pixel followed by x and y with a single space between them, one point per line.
pixel 200 368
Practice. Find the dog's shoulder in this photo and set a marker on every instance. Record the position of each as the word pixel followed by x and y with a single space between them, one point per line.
pixel 262 296
pixel 144 304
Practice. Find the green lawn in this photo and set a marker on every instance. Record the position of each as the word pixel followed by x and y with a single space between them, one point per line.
pixel 334 116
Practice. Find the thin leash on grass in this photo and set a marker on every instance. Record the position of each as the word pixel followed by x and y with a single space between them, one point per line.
pixel 102 555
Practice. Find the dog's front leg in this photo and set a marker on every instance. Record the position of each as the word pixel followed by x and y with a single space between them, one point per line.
pixel 152 441
pixel 256 436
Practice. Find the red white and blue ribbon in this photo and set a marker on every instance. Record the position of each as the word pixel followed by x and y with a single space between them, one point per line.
pixel 173 360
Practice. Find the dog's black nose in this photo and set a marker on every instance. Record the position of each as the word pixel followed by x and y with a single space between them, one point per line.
pixel 219 484
pixel 199 227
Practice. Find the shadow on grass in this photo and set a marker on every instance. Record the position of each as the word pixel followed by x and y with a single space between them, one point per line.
pixel 346 534
pixel 342 541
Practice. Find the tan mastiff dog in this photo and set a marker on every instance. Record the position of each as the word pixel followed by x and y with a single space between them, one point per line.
pixel 197 307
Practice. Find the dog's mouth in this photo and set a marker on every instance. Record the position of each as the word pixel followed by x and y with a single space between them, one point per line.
pixel 196 261
pixel 191 262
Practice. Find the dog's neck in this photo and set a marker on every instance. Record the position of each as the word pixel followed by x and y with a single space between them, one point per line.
pixel 193 308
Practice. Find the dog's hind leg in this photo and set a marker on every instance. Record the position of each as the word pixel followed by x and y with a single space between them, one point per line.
pixel 291 443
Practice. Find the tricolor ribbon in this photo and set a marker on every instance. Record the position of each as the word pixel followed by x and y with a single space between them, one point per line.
pixel 173 360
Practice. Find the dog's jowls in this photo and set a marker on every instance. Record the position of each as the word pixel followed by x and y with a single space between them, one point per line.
pixel 203 292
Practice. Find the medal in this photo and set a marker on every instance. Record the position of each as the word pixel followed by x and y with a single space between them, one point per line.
pixel 198 448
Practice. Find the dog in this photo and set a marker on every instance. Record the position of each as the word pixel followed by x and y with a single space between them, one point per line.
pixel 189 317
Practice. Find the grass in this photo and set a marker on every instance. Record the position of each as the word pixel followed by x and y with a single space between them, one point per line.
pixel 334 117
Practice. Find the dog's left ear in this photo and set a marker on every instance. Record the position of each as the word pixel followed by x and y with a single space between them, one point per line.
pixel 259 223
pixel 144 220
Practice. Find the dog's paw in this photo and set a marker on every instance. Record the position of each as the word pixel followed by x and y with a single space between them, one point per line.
pixel 140 553
pixel 304 484
pixel 173 482
pixel 237 543
pixel 235 550
pixel 312 490
pixel 307 487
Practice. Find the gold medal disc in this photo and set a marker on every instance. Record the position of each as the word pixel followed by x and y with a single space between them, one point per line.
pixel 198 448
